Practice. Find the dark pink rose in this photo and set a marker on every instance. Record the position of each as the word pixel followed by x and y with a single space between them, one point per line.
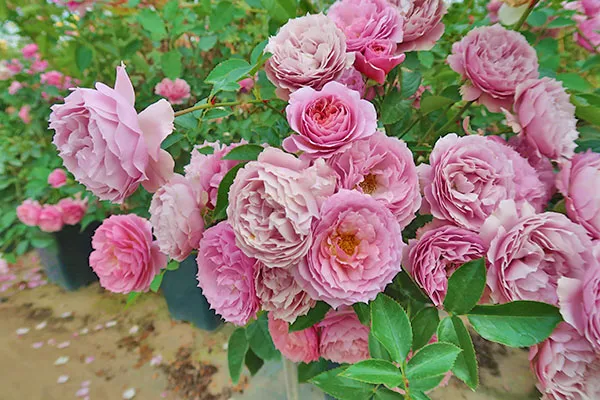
pixel 299 346
pixel 587 36
pixel 29 50
pixel 51 218
pixel 73 210
pixel 377 59
pixel 57 178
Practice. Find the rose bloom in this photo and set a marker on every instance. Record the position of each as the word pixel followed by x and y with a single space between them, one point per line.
pixel 299 346
pixel 176 91
pixel 14 66
pixel 246 85
pixel 566 366
pixel 467 177
pixel 107 146
pixel 542 165
pixel 589 35
pixel 14 87
pixel 51 218
pixel 57 178
pixel 343 338
pixel 38 65
pixel 28 212
pixel 494 60
pixel 226 275
pixel 125 258
pixel 29 50
pixel 353 79
pixel 176 218
pixel 328 120
pixel 73 210
pixel 272 204
pixel 52 78
pixel 493 7
pixel 356 250
pixel 529 252
pixel 280 294
pixel 578 181
pixel 591 8
pixel 377 59
pixel 24 114
pixel 307 51
pixel 382 167
pixel 423 25
pixel 436 253
pixel 364 21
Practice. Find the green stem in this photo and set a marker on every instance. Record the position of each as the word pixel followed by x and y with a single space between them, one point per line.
pixel 523 18
pixel 452 120
pixel 432 127
pixel 215 105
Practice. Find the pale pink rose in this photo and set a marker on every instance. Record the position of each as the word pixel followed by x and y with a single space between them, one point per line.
pixel 327 120
pixel 5 72
pixel 565 366
pixel 280 294
pixel 353 79
pixel 299 346
pixel 343 338
pixel 176 218
pixel 28 212
pixel 14 66
pixel 246 85
pixel 364 21
pixel 14 87
pixel 423 25
pixel 377 59
pixel 494 60
pixel 307 51
pixel 176 91
pixel 73 210
pixel 125 258
pixel 57 178
pixel 51 218
pixel 529 252
pixel 578 181
pixel 382 167
pixel 436 253
pixel 24 114
pixel 226 275
pixel 589 38
pixel 205 171
pixel 107 146
pixel 30 50
pixel 356 250
pixel 272 204
pixel 493 7
pixel 467 177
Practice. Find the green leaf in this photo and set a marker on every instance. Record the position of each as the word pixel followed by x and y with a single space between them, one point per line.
pixel 419 396
pixel 308 371
pixel 259 339
pixel 315 315
pixel 574 82
pixel 390 325
pixel 222 15
pixel 430 363
pixel 432 103
pixel 280 10
pixel 560 22
pixel 152 22
pixel 187 121
pixel 171 64
pixel 452 330
pixel 410 83
pixel 384 393
pixel 394 109
pixel 227 73
pixel 537 18
pixel 131 298
pixel 236 353
pixel 83 57
pixel 155 284
pixel 375 371
pixel 171 140
pixel 257 53
pixel 363 312
pixel 173 265
pixel 342 388
pixel 515 324
pixel 206 150
pixel 376 349
pixel 404 283
pixel 424 324
pixel 220 211
pixel 253 362
pixel 207 42
pixel 465 287
pixel 244 152
pixel 425 58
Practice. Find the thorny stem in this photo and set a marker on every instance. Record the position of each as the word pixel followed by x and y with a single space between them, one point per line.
pixel 215 105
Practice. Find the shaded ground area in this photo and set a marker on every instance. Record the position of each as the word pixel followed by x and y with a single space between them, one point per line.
pixel 86 344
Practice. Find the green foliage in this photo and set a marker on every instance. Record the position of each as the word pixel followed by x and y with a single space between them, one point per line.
pixel 465 287
pixel 335 384
pixel 236 353
pixel 391 327
pixel 314 316
pixel 375 371
pixel 452 330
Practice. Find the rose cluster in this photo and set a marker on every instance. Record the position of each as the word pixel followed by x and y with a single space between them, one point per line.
pixel 52 217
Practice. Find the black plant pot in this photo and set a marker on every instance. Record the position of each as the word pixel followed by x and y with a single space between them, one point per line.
pixel 185 299
pixel 66 261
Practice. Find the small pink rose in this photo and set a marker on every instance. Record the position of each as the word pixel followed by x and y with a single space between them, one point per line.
pixel 246 85
pixel 176 91
pixel 29 212
pixel 57 178
pixel 377 59
pixel 24 114
pixel 51 218
pixel 73 210
pixel 14 87
pixel 30 50
pixel 300 346
pixel 343 338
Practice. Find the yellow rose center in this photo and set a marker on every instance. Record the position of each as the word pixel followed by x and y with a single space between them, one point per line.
pixel 348 243
pixel 369 184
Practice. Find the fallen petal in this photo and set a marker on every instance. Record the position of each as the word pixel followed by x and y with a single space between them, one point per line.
pixel 129 394
pixel 62 379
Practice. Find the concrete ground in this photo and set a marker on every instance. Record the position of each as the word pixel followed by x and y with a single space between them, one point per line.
pixel 57 345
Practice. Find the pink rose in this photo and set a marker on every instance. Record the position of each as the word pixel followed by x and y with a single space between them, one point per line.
pixel 493 7
pixel 494 60
pixel 246 85
pixel 125 258
pixel 176 91
pixel 591 8
pixel 299 346
pixel 73 210
pixel 28 212
pixel 30 50
pixel 205 171
pixel 542 165
pixel 529 252
pixel 327 120
pixel 343 338
pixel 14 87
pixel 353 79
pixel 364 21
pixel 377 59
pixel 52 78
pixel 176 218
pixel 226 275
pixel 272 204
pixel 307 51
pixel 356 250
pixel 57 178
pixel 51 218
pixel 578 182
pixel 469 176
pixel 437 253
pixel 24 114
pixel 37 66
pixel 107 146
pixel 423 25
pixel 5 72
pixel 382 167
pixel 587 36
pixel 14 66
pixel 565 366
pixel 280 294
